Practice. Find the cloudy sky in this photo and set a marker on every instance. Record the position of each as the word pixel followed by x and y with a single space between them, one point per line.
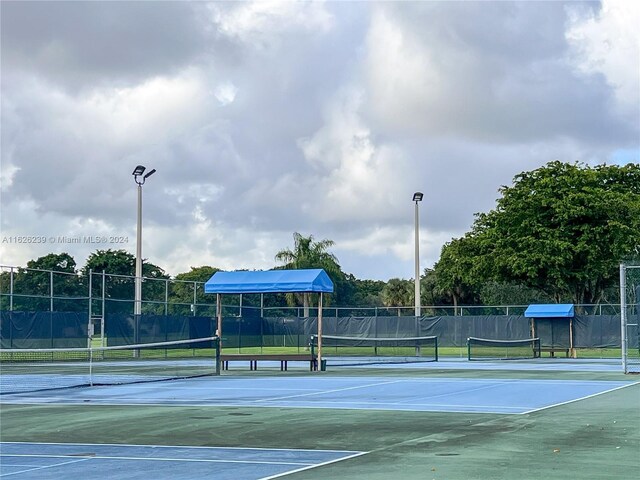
pixel 268 118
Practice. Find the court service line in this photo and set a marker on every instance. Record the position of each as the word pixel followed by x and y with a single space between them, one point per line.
pixel 157 459
pixel 322 464
pixel 43 467
pixel 579 399
pixel 186 447
pixel 322 392
pixel 427 405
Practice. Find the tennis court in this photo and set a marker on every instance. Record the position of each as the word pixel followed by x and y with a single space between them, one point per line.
pixel 500 396
pixel 443 420
pixel 64 460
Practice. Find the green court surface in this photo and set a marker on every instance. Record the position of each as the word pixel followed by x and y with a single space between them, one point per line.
pixel 593 436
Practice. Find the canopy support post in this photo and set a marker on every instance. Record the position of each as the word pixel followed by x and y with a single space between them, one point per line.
pixel 320 332
pixel 219 315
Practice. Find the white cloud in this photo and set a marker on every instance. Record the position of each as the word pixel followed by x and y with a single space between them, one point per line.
pixel 360 180
pixel 226 93
pixel 158 108
pixel 608 42
pixel 259 22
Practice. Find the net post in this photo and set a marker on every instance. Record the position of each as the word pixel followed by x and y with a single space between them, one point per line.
pixel 436 352
pixel 90 367
pixel 469 349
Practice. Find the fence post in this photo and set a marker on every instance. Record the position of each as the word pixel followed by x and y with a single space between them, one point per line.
pixel 11 290
pixel 195 298
pixel 51 290
pixel 90 309
pixel 104 313
pixel 166 297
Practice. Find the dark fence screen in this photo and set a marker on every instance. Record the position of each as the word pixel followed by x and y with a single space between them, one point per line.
pixel 43 329
pixel 123 329
pixel 69 329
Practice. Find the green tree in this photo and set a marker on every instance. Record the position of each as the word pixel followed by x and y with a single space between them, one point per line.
pixel 455 271
pixel 181 290
pixel 119 266
pixel 33 285
pixel 398 293
pixel 430 293
pixel 364 293
pixel 308 253
pixel 502 293
pixel 562 229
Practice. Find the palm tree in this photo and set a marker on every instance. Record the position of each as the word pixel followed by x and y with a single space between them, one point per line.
pixel 308 253
pixel 397 293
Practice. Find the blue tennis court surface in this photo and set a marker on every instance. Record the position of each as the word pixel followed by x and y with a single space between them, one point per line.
pixel 468 395
pixel 44 461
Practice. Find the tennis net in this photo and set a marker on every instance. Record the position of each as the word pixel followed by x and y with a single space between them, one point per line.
pixel 488 349
pixel 372 350
pixel 28 370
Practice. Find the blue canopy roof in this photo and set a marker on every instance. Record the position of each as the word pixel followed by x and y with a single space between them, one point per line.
pixel 556 310
pixel 270 281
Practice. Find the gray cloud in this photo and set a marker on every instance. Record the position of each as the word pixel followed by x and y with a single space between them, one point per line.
pixel 263 119
pixel 85 44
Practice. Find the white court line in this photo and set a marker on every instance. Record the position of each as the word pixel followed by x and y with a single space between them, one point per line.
pixel 322 392
pixel 43 467
pixel 427 405
pixel 189 447
pixel 578 399
pixel 155 459
pixel 278 475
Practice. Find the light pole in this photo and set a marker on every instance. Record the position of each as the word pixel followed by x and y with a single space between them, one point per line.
pixel 417 197
pixel 140 178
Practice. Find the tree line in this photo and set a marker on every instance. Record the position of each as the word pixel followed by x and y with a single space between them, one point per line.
pixel 557 234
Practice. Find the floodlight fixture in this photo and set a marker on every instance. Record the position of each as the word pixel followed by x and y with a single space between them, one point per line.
pixel 139 170
pixel 417 197
pixel 149 174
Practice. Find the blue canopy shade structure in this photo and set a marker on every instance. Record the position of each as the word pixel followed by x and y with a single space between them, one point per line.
pixel 560 310
pixel 270 281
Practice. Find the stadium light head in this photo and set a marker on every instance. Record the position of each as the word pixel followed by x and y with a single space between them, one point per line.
pixel 417 197
pixel 149 174
pixel 139 170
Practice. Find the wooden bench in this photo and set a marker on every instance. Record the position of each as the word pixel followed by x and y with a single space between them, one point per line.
pixel 283 358
pixel 553 350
